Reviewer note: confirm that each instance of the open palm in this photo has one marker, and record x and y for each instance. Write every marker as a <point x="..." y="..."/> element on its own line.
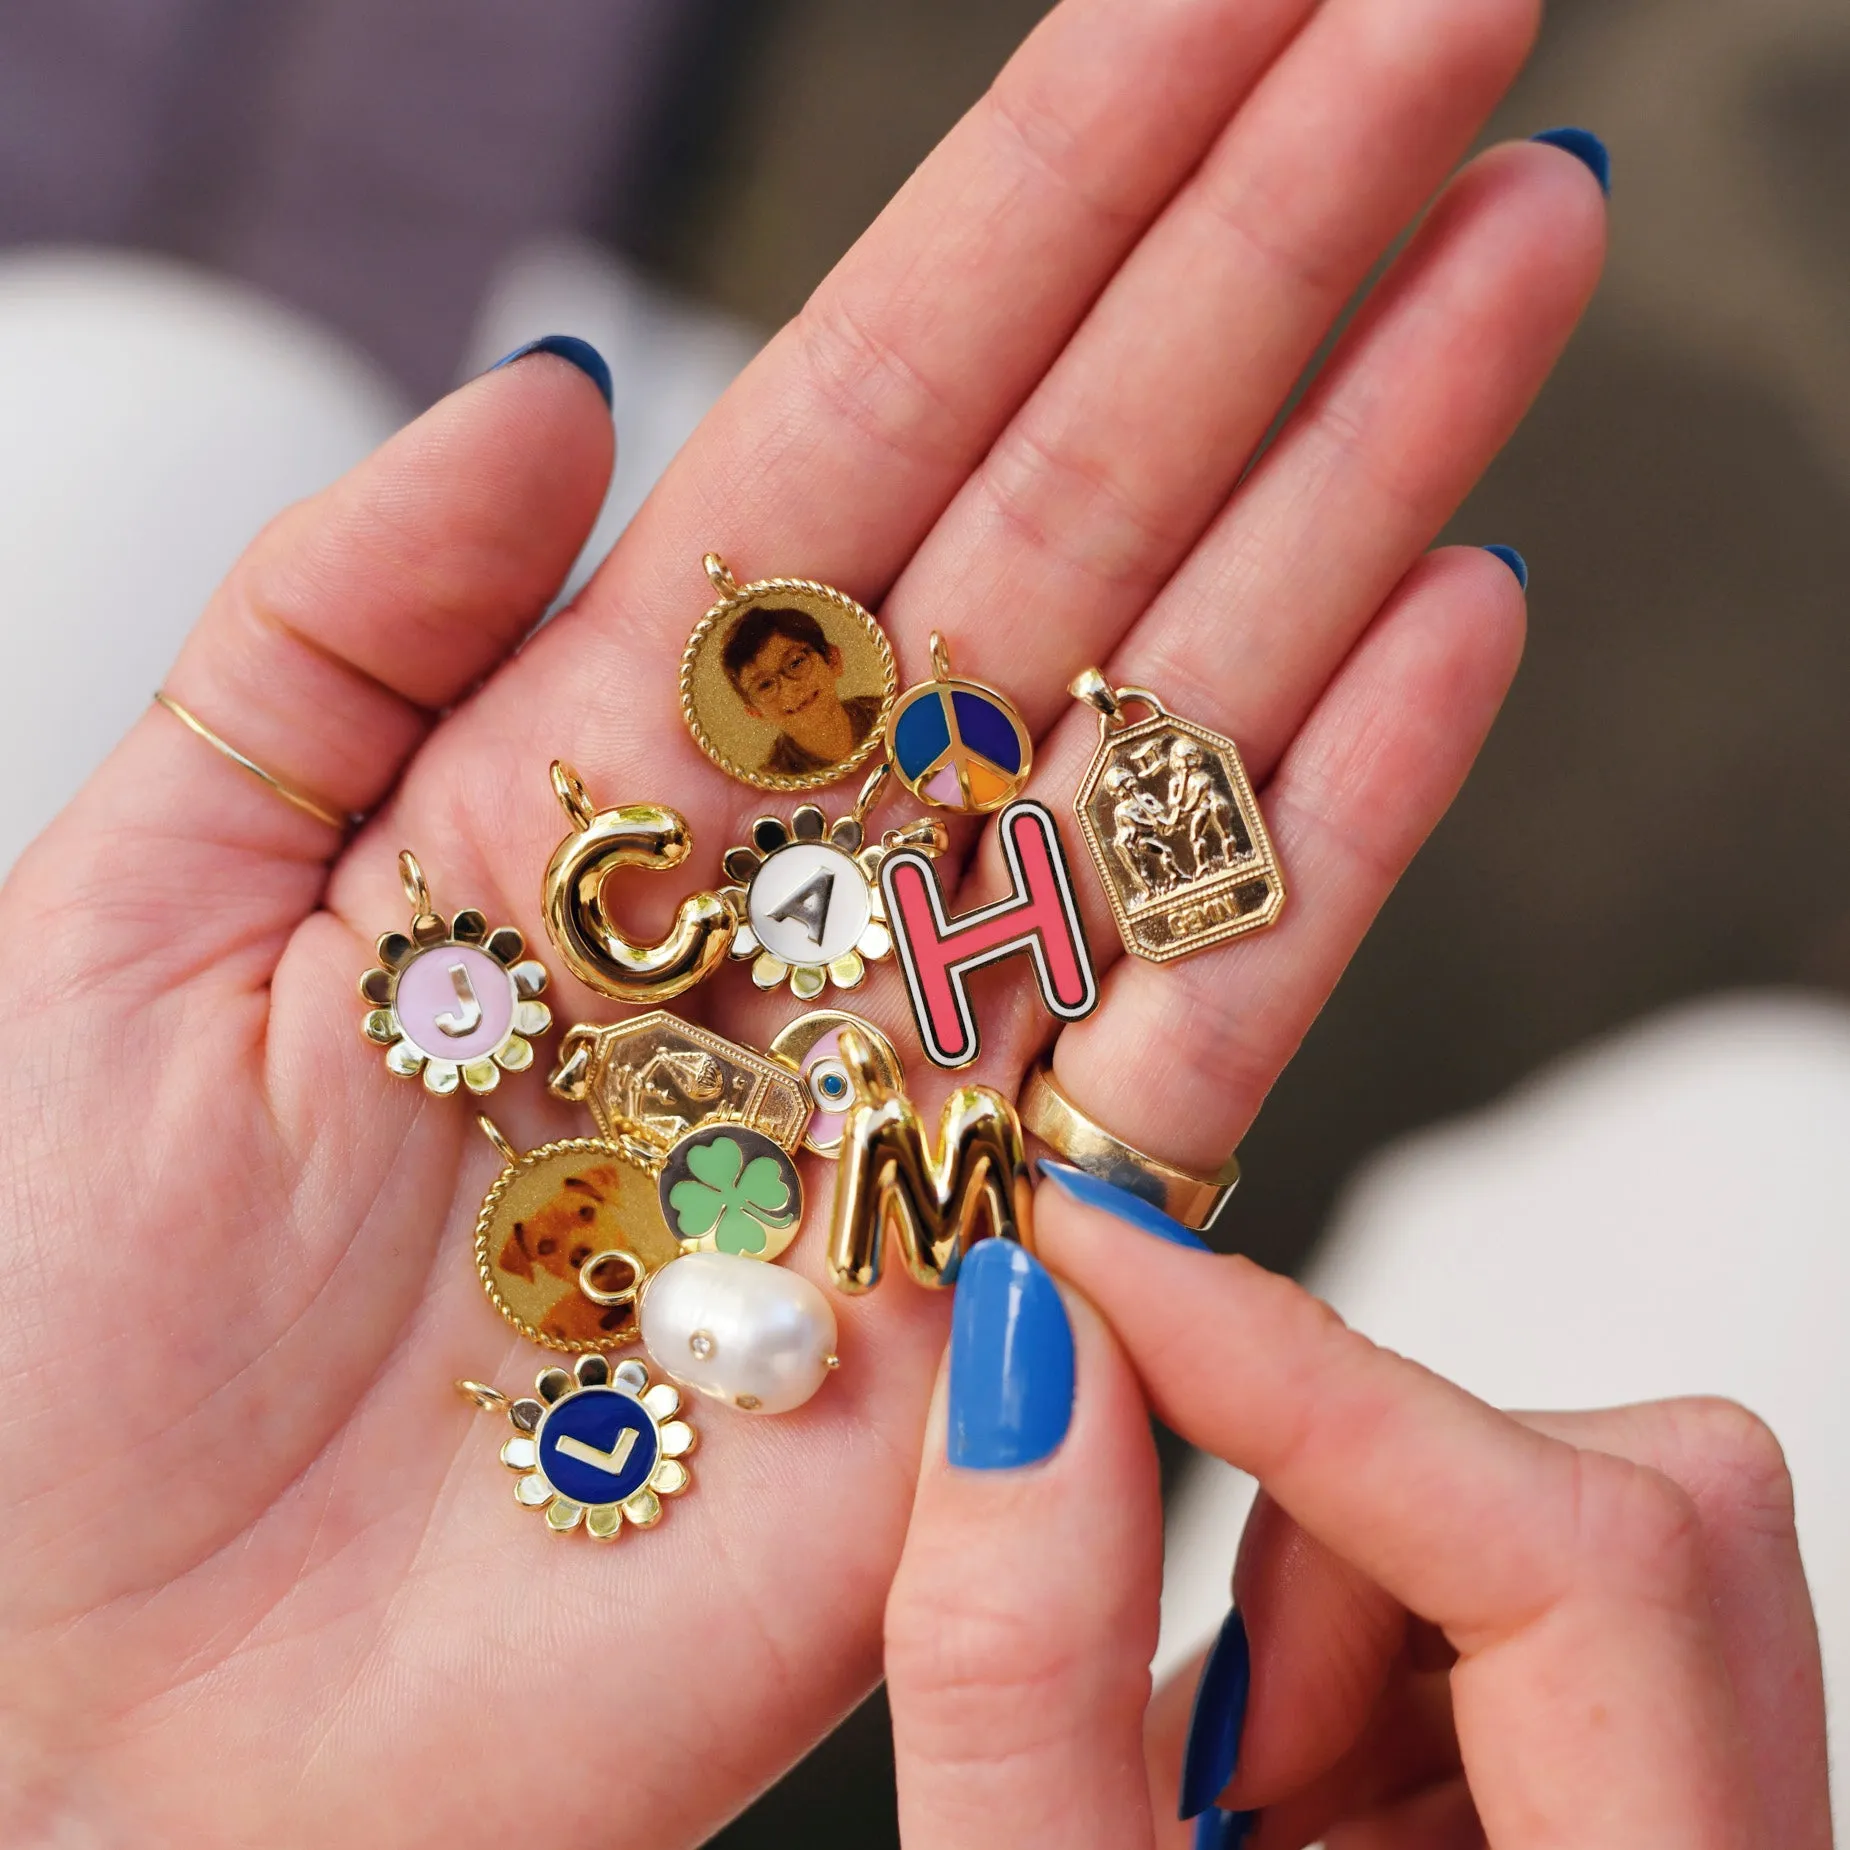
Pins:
<point x="263" y="1580"/>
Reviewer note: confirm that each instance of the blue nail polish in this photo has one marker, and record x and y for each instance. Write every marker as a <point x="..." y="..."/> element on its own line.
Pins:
<point x="1584" y="146"/>
<point x="567" y="347"/>
<point x="1213" y="1749"/>
<point x="1011" y="1360"/>
<point x="1514" y="560"/>
<point x="1096" y="1193"/>
<point x="1223" y="1830"/>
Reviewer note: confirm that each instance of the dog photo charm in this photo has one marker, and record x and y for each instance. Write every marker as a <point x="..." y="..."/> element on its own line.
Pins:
<point x="1174" y="828"/>
<point x="567" y="1237"/>
<point x="451" y="1000"/>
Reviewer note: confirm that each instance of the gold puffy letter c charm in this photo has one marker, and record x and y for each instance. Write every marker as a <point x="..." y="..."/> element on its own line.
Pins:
<point x="596" y="949"/>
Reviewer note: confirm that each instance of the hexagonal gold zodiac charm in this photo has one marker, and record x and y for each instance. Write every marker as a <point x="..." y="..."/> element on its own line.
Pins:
<point x="1174" y="828"/>
<point x="657" y="1077"/>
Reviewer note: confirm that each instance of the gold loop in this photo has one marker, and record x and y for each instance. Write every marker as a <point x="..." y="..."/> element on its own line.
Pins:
<point x="1090" y="686"/>
<point x="940" y="658"/>
<point x="411" y="878"/>
<point x="720" y="573"/>
<point x="930" y="836"/>
<point x="492" y="1131"/>
<point x="1184" y="1196"/>
<point x="871" y="792"/>
<point x="1108" y="702"/>
<point x="612" y="1255"/>
<point x="485" y="1398"/>
<point x="309" y="806"/>
<point x="865" y="1073"/>
<point x="573" y="797"/>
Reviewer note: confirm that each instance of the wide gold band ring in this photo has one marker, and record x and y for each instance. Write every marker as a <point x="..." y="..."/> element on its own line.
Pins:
<point x="310" y="806"/>
<point x="1192" y="1199"/>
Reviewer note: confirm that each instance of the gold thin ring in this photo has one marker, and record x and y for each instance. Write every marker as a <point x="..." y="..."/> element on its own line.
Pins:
<point x="481" y="1396"/>
<point x="606" y="1294"/>
<point x="308" y="805"/>
<point x="1184" y="1196"/>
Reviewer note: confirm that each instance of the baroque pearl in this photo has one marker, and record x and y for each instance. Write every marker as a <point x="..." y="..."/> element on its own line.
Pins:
<point x="739" y="1330"/>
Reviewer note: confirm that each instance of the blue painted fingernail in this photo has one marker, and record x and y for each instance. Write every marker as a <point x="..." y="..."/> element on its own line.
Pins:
<point x="1586" y="147"/>
<point x="1095" y="1193"/>
<point x="1223" y="1830"/>
<point x="1514" y="560"/>
<point x="1011" y="1360"/>
<point x="567" y="347"/>
<point x="1213" y="1749"/>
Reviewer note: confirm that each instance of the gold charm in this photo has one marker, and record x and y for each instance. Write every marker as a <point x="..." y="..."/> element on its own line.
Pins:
<point x="451" y="999"/>
<point x="934" y="1204"/>
<point x="1174" y="829"/>
<point x="785" y="684"/>
<point x="656" y="1077"/>
<point x="958" y="744"/>
<point x="807" y="895"/>
<point x="727" y="1189"/>
<point x="596" y="949"/>
<point x="566" y="1238"/>
<point x="812" y="1044"/>
<point x="599" y="1446"/>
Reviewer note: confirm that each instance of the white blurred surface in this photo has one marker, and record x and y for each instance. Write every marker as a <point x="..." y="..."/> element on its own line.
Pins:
<point x="154" y="419"/>
<point x="1666" y="1212"/>
<point x="669" y="360"/>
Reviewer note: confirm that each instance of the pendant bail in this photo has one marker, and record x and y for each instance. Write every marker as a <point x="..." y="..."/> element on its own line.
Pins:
<point x="1091" y="686"/>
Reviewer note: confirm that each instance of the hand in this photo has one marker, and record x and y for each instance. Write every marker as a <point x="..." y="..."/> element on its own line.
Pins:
<point x="1465" y="1627"/>
<point x="264" y="1580"/>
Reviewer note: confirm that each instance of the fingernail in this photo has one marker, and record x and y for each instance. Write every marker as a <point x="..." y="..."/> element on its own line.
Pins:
<point x="1514" y="560"/>
<point x="1011" y="1360"/>
<point x="1223" y="1830"/>
<point x="1214" y="1725"/>
<point x="1120" y="1202"/>
<point x="1584" y="146"/>
<point x="568" y="347"/>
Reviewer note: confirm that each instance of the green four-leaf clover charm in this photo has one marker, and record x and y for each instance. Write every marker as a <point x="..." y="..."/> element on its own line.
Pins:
<point x="730" y="1189"/>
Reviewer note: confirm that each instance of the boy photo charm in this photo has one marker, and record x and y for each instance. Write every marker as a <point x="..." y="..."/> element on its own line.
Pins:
<point x="786" y="684"/>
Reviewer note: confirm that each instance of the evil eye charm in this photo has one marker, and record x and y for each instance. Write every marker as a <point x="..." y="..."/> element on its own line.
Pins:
<point x="449" y="999"/>
<point x="812" y="1044"/>
<point x="599" y="1446"/>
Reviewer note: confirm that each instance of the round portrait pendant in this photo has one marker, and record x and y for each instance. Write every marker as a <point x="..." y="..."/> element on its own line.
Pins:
<point x="566" y="1238"/>
<point x="786" y="684"/>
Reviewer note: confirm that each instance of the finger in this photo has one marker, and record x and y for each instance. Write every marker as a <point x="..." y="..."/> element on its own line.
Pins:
<point x="1440" y="1818"/>
<point x="1023" y="1615"/>
<point x="1373" y="769"/>
<point x="1327" y="1642"/>
<point x="837" y="449"/>
<point x="1554" y="1572"/>
<point x="349" y="623"/>
<point x="1118" y="460"/>
<point x="1411" y="410"/>
<point x="1734" y="1471"/>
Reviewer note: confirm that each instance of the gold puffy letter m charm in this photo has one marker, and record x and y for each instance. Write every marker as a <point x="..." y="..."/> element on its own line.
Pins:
<point x="933" y="1204"/>
<point x="596" y="949"/>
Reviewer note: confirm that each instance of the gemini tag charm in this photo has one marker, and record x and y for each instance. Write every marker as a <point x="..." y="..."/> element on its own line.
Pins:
<point x="1174" y="829"/>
